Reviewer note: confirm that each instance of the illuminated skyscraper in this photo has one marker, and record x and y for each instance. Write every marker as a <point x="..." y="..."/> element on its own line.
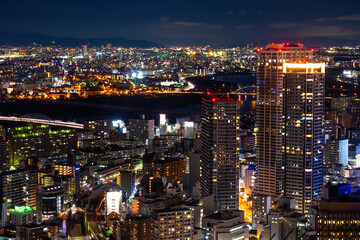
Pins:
<point x="269" y="117"/>
<point x="304" y="96"/>
<point x="220" y="118"/>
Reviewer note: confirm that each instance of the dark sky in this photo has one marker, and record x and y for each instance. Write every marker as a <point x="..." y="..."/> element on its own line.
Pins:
<point x="187" y="21"/>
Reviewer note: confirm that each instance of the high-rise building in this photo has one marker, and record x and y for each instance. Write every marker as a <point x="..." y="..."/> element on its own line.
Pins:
<point x="18" y="191"/>
<point x="162" y="123"/>
<point x="18" y="188"/>
<point x="141" y="129"/>
<point x="303" y="101"/>
<point x="191" y="178"/>
<point x="336" y="152"/>
<point x="189" y="130"/>
<point x="126" y="182"/>
<point x="220" y="154"/>
<point x="269" y="113"/>
<point x="269" y="117"/>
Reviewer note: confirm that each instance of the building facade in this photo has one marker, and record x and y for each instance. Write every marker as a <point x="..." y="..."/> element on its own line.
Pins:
<point x="303" y="100"/>
<point x="220" y="153"/>
<point x="269" y="113"/>
<point x="270" y="120"/>
<point x="141" y="129"/>
<point x="172" y="224"/>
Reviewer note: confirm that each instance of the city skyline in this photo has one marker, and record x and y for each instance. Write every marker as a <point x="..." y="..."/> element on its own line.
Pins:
<point x="134" y="140"/>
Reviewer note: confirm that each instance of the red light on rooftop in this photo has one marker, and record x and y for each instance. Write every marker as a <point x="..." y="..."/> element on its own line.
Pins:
<point x="298" y="44"/>
<point x="213" y="99"/>
<point x="279" y="50"/>
<point x="208" y="93"/>
<point x="272" y="43"/>
<point x="287" y="43"/>
<point x="283" y="43"/>
<point x="312" y="49"/>
<point x="258" y="50"/>
<point x="239" y="99"/>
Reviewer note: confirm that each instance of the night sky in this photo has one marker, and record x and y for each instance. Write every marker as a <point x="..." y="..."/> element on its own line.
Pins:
<point x="186" y="22"/>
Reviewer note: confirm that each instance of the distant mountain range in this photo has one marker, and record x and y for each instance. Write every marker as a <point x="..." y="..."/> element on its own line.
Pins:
<point x="29" y="39"/>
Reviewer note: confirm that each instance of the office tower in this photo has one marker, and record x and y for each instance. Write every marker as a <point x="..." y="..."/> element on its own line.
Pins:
<point x="336" y="152"/>
<point x="172" y="224"/>
<point x="142" y="130"/>
<point x="304" y="99"/>
<point x="269" y="116"/>
<point x="220" y="119"/>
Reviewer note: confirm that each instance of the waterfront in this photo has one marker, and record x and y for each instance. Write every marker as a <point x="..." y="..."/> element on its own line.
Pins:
<point x="125" y="107"/>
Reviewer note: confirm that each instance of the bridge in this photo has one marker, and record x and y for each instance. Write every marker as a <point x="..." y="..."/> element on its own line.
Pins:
<point x="246" y="90"/>
<point x="43" y="121"/>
